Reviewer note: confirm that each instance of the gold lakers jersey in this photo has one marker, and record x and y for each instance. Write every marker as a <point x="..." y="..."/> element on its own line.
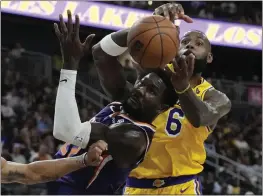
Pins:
<point x="177" y="147"/>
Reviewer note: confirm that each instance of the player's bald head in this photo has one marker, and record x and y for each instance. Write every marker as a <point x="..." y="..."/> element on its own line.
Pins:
<point x="200" y="35"/>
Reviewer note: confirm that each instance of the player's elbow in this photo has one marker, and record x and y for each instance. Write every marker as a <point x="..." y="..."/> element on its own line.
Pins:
<point x="62" y="132"/>
<point x="195" y="118"/>
<point x="57" y="134"/>
<point x="62" y="136"/>
<point x="196" y="122"/>
<point x="228" y="106"/>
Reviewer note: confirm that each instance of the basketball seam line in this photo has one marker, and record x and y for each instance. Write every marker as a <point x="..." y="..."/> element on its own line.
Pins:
<point x="147" y="47"/>
<point x="161" y="42"/>
<point x="170" y="38"/>
<point x="146" y="31"/>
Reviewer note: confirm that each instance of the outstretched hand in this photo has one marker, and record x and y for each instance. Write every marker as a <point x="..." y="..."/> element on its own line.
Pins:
<point x="172" y="11"/>
<point x="183" y="71"/>
<point x="72" y="50"/>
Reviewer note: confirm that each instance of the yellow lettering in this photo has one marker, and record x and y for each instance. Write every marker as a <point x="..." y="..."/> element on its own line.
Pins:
<point x="234" y="34"/>
<point x="131" y="19"/>
<point x="47" y="6"/>
<point x="92" y="14"/>
<point x="71" y="5"/>
<point x="5" y="4"/>
<point x="229" y="34"/>
<point x="110" y="17"/>
<point x="239" y="36"/>
<point x="37" y="7"/>
<point x="25" y="5"/>
<point x="254" y="37"/>
<point x="212" y="31"/>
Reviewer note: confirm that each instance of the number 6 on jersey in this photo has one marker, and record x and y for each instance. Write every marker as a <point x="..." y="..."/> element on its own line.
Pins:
<point x="174" y="125"/>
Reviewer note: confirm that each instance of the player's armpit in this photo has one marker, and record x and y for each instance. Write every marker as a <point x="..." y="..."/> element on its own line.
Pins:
<point x="127" y="144"/>
<point x="109" y="69"/>
<point x="204" y="113"/>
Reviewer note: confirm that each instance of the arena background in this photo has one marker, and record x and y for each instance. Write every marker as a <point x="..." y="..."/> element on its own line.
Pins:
<point x="30" y="70"/>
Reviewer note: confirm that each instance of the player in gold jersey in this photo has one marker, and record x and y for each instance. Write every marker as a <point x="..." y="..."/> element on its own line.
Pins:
<point x="177" y="151"/>
<point x="176" y="155"/>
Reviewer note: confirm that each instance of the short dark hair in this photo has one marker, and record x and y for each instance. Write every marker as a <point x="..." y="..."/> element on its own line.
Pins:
<point x="170" y="97"/>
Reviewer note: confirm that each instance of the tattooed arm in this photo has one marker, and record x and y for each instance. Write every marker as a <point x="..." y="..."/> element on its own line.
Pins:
<point x="205" y="113"/>
<point x="45" y="171"/>
<point x="39" y="171"/>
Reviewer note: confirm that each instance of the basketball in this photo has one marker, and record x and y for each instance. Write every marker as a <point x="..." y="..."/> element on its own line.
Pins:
<point x="153" y="41"/>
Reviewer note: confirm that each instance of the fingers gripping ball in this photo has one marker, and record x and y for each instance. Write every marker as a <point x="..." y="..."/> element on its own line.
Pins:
<point x="153" y="41"/>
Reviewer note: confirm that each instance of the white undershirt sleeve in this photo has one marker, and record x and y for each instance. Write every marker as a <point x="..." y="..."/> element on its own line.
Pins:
<point x="67" y="124"/>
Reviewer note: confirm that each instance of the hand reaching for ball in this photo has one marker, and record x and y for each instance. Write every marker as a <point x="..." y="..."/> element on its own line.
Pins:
<point x="183" y="71"/>
<point x="72" y="50"/>
<point x="172" y="11"/>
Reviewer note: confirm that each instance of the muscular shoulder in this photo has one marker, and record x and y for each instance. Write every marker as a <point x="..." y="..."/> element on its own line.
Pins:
<point x="127" y="133"/>
<point x="127" y="143"/>
<point x="218" y="100"/>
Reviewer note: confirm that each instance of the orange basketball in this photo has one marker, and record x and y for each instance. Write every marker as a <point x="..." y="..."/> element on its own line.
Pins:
<point x="153" y="41"/>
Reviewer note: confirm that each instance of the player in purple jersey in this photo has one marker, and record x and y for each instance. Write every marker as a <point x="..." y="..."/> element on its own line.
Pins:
<point x="124" y="126"/>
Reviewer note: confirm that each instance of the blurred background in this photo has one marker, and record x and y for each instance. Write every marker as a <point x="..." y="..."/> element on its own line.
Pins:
<point x="30" y="71"/>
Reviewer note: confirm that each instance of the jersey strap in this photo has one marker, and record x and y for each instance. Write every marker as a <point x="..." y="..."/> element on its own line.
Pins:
<point x="202" y="88"/>
<point x="106" y="113"/>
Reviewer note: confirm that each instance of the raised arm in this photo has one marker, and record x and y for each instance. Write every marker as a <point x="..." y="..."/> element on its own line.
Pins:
<point x="105" y="55"/>
<point x="45" y="171"/>
<point x="67" y="124"/>
<point x="107" y="51"/>
<point x="126" y="142"/>
<point x="199" y="112"/>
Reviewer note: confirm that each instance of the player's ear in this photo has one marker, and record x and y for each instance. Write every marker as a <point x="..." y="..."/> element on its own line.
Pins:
<point x="209" y="58"/>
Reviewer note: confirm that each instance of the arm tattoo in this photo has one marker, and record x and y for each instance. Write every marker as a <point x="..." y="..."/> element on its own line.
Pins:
<point x="204" y="113"/>
<point x="40" y="171"/>
<point x="14" y="175"/>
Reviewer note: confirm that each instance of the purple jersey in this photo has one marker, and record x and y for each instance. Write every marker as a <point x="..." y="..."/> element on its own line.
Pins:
<point x="105" y="178"/>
